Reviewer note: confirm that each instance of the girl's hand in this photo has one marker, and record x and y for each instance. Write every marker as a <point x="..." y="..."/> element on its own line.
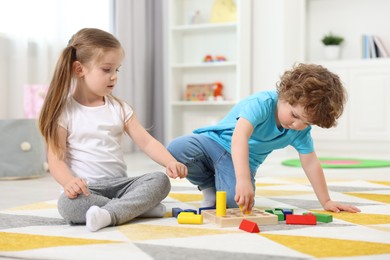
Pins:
<point x="176" y="169"/>
<point x="75" y="187"/>
<point x="337" y="207"/>
<point x="245" y="195"/>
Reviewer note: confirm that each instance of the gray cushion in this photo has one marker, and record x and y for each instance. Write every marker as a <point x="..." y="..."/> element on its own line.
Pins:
<point x="22" y="150"/>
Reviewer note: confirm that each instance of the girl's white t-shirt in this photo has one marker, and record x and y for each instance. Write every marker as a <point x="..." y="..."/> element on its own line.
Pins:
<point x="94" y="137"/>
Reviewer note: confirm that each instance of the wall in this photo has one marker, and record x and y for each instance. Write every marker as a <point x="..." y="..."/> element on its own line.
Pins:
<point x="278" y="40"/>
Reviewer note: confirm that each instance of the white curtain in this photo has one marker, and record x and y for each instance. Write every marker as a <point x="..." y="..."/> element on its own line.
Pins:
<point x="32" y="35"/>
<point x="138" y="25"/>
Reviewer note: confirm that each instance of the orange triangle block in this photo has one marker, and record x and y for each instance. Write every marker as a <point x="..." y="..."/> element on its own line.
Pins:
<point x="249" y="226"/>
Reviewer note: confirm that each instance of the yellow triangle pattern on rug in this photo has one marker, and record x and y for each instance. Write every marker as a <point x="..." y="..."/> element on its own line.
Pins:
<point x="138" y="232"/>
<point x="183" y="197"/>
<point x="328" y="247"/>
<point x="266" y="184"/>
<point x="359" y="218"/>
<point x="18" y="242"/>
<point x="385" y="198"/>
<point x="387" y="183"/>
<point x="41" y="205"/>
<point x="272" y="193"/>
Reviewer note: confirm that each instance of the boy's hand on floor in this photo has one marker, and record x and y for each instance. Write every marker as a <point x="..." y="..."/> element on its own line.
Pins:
<point x="337" y="207"/>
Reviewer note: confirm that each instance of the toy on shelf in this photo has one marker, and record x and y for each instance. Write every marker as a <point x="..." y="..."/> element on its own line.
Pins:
<point x="217" y="58"/>
<point x="204" y="92"/>
<point x="194" y="17"/>
<point x="220" y="58"/>
<point x="223" y="11"/>
<point x="208" y="58"/>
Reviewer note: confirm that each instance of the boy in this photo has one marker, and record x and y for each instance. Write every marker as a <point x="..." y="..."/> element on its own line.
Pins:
<point x="226" y="156"/>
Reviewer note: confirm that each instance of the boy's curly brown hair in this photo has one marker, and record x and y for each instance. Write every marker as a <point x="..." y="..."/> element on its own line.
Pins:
<point x="318" y="90"/>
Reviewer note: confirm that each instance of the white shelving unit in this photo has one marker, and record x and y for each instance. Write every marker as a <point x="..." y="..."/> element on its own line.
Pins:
<point x="188" y="44"/>
<point x="294" y="30"/>
<point x="365" y="124"/>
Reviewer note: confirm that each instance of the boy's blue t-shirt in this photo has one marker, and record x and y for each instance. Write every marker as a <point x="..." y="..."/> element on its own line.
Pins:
<point x="259" y="110"/>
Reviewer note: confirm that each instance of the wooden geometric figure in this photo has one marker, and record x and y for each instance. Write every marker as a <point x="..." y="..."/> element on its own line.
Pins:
<point x="278" y="213"/>
<point x="249" y="226"/>
<point x="325" y="218"/>
<point x="189" y="218"/>
<point x="221" y="203"/>
<point x="308" y="219"/>
<point x="234" y="217"/>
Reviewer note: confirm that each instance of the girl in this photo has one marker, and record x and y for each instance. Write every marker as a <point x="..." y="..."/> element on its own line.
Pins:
<point x="82" y="123"/>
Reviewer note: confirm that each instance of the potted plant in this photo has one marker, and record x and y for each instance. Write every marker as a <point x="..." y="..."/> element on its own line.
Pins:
<point x="332" y="46"/>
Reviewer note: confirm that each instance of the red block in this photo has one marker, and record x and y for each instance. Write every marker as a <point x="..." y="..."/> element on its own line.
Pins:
<point x="249" y="226"/>
<point x="308" y="219"/>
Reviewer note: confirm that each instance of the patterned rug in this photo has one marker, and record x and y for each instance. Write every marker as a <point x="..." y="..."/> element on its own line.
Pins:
<point x="37" y="231"/>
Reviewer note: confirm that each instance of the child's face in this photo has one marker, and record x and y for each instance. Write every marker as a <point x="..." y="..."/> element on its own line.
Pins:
<point x="290" y="117"/>
<point x="100" y="77"/>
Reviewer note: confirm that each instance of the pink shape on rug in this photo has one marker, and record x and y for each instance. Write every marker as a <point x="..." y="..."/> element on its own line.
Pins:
<point x="340" y="162"/>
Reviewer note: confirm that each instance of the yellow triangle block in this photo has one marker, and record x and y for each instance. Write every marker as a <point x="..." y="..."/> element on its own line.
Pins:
<point x="137" y="232"/>
<point x="385" y="198"/>
<point x="328" y="247"/>
<point x="18" y="242"/>
<point x="186" y="197"/>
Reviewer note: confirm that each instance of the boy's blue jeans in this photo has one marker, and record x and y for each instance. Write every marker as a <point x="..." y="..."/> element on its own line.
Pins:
<point x="209" y="164"/>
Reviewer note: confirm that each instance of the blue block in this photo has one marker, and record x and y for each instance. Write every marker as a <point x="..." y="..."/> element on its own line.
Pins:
<point x="176" y="211"/>
<point x="205" y="208"/>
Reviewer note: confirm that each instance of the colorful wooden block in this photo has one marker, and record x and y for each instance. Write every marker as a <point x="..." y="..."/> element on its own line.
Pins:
<point x="285" y="211"/>
<point x="190" y="210"/>
<point x="249" y="226"/>
<point x="189" y="218"/>
<point x="205" y="208"/>
<point x="176" y="211"/>
<point x="278" y="213"/>
<point x="221" y="203"/>
<point x="325" y="218"/>
<point x="307" y="219"/>
<point x="234" y="217"/>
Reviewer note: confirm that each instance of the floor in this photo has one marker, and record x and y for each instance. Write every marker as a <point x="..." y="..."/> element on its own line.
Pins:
<point x="23" y="192"/>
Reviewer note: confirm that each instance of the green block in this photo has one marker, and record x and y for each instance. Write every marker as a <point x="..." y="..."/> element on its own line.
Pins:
<point x="325" y="218"/>
<point x="278" y="213"/>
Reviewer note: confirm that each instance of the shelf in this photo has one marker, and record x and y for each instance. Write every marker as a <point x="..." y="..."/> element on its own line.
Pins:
<point x="204" y="27"/>
<point x="204" y="103"/>
<point x="188" y="45"/>
<point x="353" y="62"/>
<point x="204" y="65"/>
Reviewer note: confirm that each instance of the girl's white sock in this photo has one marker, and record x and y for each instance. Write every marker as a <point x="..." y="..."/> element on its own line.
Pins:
<point x="209" y="197"/>
<point x="156" y="212"/>
<point x="97" y="218"/>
